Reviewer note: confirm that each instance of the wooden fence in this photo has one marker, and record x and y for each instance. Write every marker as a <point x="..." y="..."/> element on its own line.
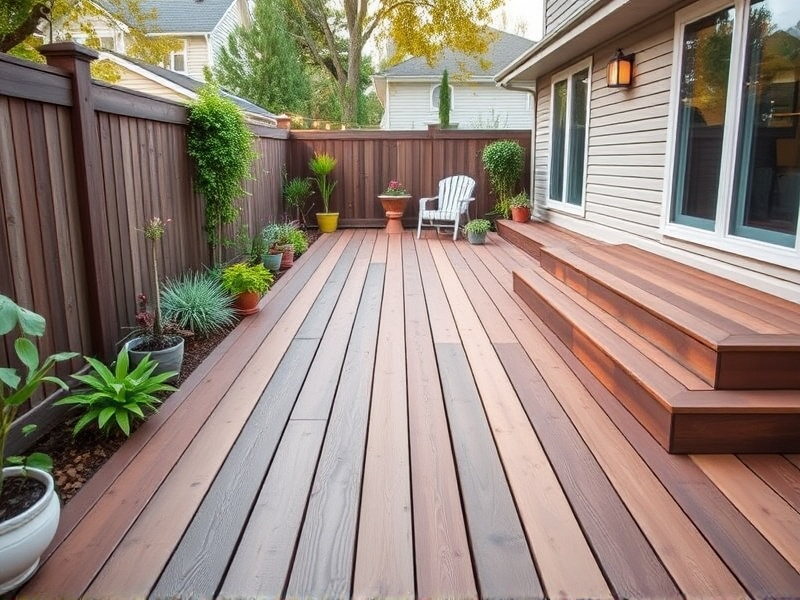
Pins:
<point x="83" y="165"/>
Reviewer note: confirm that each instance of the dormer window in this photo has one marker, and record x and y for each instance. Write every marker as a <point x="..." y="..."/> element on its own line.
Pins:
<point x="177" y="60"/>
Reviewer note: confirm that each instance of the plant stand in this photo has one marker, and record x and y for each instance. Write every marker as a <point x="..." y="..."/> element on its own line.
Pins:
<point x="394" y="207"/>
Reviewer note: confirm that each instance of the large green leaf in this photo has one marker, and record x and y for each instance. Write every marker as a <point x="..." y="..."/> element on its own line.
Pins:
<point x="9" y="377"/>
<point x="28" y="354"/>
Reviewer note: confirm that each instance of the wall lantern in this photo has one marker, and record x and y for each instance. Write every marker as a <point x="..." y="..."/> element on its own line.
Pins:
<point x="620" y="70"/>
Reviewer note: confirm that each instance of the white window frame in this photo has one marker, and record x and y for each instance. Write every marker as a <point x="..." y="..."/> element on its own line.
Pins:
<point x="185" y="59"/>
<point x="720" y="238"/>
<point x="566" y="74"/>
<point x="435" y="94"/>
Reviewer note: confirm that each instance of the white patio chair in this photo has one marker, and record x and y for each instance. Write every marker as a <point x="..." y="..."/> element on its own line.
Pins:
<point x="455" y="195"/>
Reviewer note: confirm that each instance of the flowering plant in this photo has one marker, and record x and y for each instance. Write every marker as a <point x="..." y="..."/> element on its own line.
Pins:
<point x="395" y="189"/>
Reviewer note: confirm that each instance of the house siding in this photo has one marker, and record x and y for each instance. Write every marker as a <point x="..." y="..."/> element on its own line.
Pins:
<point x="475" y="106"/>
<point x="219" y="37"/>
<point x="558" y="11"/>
<point x="196" y="56"/>
<point x="137" y="82"/>
<point x="626" y="163"/>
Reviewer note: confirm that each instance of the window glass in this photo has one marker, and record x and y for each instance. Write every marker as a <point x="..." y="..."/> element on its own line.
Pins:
<point x="701" y="118"/>
<point x="577" y="136"/>
<point x="178" y="61"/>
<point x="558" y="136"/>
<point x="767" y="190"/>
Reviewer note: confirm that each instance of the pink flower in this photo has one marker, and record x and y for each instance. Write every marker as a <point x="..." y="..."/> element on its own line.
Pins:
<point x="395" y="189"/>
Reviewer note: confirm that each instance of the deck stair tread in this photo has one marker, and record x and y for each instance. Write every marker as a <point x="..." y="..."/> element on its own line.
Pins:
<point x="728" y="384"/>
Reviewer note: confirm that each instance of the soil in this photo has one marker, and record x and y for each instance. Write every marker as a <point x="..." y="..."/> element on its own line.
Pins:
<point x="18" y="495"/>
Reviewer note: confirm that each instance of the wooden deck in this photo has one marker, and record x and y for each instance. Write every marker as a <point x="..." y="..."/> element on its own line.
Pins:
<point x="397" y="422"/>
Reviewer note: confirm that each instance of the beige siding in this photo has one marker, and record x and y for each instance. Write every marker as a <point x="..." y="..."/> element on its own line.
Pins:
<point x="226" y="26"/>
<point x="475" y="106"/>
<point x="139" y="83"/>
<point x="558" y="11"/>
<point x="196" y="56"/>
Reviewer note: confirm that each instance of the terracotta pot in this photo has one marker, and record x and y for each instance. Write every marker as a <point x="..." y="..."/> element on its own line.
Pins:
<point x="246" y="303"/>
<point x="394" y="207"/>
<point x="520" y="214"/>
<point x="287" y="258"/>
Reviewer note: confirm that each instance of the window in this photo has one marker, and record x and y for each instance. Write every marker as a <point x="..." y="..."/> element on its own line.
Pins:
<point x="107" y="43"/>
<point x="736" y="136"/>
<point x="177" y="60"/>
<point x="569" y="115"/>
<point x="435" y="97"/>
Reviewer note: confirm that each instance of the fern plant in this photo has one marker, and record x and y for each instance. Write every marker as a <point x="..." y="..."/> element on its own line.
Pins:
<point x="197" y="302"/>
<point x="116" y="399"/>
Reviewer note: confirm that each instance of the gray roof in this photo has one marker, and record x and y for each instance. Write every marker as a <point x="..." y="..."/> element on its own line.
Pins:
<point x="184" y="16"/>
<point x="193" y="85"/>
<point x="505" y="48"/>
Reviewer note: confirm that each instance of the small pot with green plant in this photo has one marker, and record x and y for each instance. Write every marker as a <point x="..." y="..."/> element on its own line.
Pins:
<point x="476" y="230"/>
<point x="504" y="161"/>
<point x="247" y="284"/>
<point x="29" y="505"/>
<point x="161" y="340"/>
<point x="296" y="192"/>
<point x="520" y="206"/>
<point x="322" y="165"/>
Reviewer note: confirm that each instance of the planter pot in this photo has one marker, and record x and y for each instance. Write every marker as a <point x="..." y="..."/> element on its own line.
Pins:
<point x="328" y="222"/>
<point x="24" y="537"/>
<point x="273" y="261"/>
<point x="169" y="359"/>
<point x="246" y="303"/>
<point x="476" y="238"/>
<point x="520" y="214"/>
<point x="394" y="207"/>
<point x="287" y="258"/>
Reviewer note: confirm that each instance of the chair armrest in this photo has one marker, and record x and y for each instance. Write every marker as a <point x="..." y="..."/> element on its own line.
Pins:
<point x="424" y="201"/>
<point x="465" y="204"/>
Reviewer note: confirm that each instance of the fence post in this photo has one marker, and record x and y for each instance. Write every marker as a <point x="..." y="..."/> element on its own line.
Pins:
<point x="76" y="60"/>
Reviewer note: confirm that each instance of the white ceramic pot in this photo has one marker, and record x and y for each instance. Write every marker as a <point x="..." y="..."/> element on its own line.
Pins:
<point x="26" y="536"/>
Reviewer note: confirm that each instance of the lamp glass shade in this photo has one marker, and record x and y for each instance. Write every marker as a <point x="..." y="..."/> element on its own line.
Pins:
<point x="620" y="71"/>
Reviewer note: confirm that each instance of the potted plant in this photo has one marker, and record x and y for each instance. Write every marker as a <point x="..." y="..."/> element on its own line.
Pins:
<point x="29" y="506"/>
<point x="394" y="200"/>
<point x="296" y="192"/>
<point x="164" y="343"/>
<point x="246" y="283"/>
<point x="520" y="206"/>
<point x="476" y="230"/>
<point x="322" y="165"/>
<point x="504" y="161"/>
<point x="274" y="254"/>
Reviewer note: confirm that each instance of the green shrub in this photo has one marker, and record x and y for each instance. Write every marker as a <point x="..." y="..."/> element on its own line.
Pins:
<point x="241" y="277"/>
<point x="197" y="302"/>
<point x="283" y="234"/>
<point x="503" y="161"/>
<point x="520" y="200"/>
<point x="477" y="226"/>
<point x="116" y="399"/>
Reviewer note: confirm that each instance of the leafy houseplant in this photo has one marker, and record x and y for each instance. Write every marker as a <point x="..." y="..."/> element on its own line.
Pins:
<point x="115" y="399"/>
<point x="166" y="346"/>
<point x="247" y="283"/>
<point x="25" y="533"/>
<point x="322" y="165"/>
<point x="504" y="161"/>
<point x="476" y="230"/>
<point x="296" y="193"/>
<point x="520" y="206"/>
<point x="220" y="145"/>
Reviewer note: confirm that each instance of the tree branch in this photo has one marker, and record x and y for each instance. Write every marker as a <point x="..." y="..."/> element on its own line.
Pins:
<point x="39" y="11"/>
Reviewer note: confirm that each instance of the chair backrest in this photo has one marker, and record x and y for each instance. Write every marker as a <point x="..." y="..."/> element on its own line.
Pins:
<point x="454" y="189"/>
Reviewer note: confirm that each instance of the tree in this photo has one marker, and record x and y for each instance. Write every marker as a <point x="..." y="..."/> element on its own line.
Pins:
<point x="444" y="101"/>
<point x="334" y="33"/>
<point x="20" y="19"/>
<point x="262" y="63"/>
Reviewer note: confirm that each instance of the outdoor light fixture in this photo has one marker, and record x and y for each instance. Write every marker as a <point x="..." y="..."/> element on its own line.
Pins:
<point x="620" y="70"/>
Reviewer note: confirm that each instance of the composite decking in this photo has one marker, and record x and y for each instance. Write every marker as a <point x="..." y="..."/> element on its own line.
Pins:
<point x="397" y="422"/>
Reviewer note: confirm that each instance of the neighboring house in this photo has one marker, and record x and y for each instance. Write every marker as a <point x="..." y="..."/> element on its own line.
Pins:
<point x="409" y="91"/>
<point x="203" y="27"/>
<point x="699" y="159"/>
<point x="164" y="83"/>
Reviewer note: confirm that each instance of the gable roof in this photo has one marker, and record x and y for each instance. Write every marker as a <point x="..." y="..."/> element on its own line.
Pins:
<point x="188" y="84"/>
<point x="183" y="16"/>
<point x="504" y="49"/>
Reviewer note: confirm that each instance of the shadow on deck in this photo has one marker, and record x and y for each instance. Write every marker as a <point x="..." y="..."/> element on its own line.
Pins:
<point x="398" y="422"/>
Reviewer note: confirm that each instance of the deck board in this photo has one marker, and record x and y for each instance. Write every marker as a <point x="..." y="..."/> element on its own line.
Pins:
<point x="397" y="422"/>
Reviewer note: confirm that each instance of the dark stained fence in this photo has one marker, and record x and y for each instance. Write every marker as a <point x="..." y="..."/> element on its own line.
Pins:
<point x="368" y="160"/>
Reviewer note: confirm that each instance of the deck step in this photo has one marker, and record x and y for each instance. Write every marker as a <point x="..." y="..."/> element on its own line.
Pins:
<point x="682" y="420"/>
<point x="730" y="348"/>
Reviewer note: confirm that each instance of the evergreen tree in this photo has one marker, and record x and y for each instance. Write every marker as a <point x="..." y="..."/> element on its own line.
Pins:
<point x="262" y="63"/>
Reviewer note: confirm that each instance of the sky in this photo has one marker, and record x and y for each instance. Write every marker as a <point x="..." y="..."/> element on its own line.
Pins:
<point x="528" y="12"/>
